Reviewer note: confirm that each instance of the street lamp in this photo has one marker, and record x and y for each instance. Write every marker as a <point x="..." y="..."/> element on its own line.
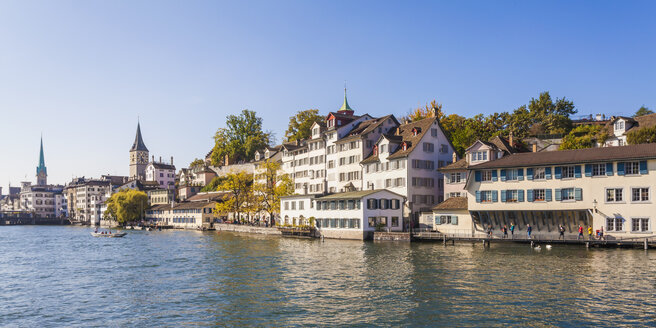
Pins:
<point x="594" y="205"/>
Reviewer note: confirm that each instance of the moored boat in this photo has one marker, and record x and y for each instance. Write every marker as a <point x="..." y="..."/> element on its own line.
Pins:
<point x="108" y="234"/>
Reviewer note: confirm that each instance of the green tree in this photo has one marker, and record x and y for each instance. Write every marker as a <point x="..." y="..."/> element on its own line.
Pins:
<point x="241" y="137"/>
<point x="642" y="135"/>
<point x="300" y="124"/>
<point x="584" y="136"/>
<point x="240" y="184"/>
<point x="428" y="110"/>
<point x="126" y="206"/>
<point x="271" y="187"/>
<point x="553" y="116"/>
<point x="214" y="184"/>
<point x="197" y="163"/>
<point x="520" y="122"/>
<point x="643" y="111"/>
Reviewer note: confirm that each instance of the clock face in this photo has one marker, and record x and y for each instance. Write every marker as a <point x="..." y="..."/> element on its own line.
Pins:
<point x="143" y="158"/>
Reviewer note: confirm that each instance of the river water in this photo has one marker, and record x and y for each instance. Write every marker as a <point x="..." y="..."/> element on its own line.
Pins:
<point x="62" y="276"/>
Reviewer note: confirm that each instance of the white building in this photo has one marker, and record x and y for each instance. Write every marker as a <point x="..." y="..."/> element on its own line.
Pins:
<point x="86" y="199"/>
<point x="45" y="201"/>
<point x="161" y="172"/>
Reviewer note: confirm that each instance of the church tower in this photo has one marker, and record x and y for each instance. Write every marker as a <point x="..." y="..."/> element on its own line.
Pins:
<point x="138" y="157"/>
<point x="41" y="171"/>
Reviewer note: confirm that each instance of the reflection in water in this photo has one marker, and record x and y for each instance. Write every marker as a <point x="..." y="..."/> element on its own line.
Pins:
<point x="62" y="276"/>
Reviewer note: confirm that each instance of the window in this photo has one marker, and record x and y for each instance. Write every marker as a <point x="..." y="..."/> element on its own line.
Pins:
<point x="619" y="125"/>
<point x="293" y="205"/>
<point x="486" y="175"/>
<point x="598" y="170"/>
<point x="639" y="224"/>
<point x="434" y="132"/>
<point x="511" y="175"/>
<point x="568" y="172"/>
<point x="614" y="195"/>
<point x="539" y="173"/>
<point x="640" y="194"/>
<point x="300" y="205"/>
<point x="372" y="222"/>
<point x="567" y="194"/>
<point x="512" y="196"/>
<point x="479" y="156"/>
<point x="455" y="177"/>
<point x="486" y="196"/>
<point x="539" y="195"/>
<point x="631" y="168"/>
<point x="286" y="206"/>
<point x="429" y="147"/>
<point x="395" y="221"/>
<point x="614" y="224"/>
<point x="444" y="148"/>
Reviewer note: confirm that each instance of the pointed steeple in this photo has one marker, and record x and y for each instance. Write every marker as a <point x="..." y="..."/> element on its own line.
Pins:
<point x="41" y="170"/>
<point x="138" y="141"/>
<point x="345" y="106"/>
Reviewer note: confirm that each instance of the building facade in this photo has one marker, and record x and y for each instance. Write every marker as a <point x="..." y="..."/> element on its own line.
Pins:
<point x="162" y="173"/>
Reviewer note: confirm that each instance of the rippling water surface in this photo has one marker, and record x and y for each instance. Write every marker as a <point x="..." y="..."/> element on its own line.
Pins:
<point x="61" y="276"/>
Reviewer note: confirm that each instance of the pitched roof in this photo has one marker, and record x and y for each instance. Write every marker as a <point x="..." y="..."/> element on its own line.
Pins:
<point x="354" y="194"/>
<point x="453" y="203"/>
<point x="163" y="166"/>
<point x="460" y="164"/>
<point x="138" y="141"/>
<point x="205" y="196"/>
<point x="407" y="135"/>
<point x="589" y="155"/>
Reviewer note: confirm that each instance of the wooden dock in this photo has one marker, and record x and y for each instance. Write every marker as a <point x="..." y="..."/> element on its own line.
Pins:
<point x="646" y="242"/>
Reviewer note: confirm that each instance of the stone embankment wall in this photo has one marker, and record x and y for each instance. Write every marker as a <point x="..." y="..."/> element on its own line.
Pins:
<point x="246" y="229"/>
<point x="392" y="236"/>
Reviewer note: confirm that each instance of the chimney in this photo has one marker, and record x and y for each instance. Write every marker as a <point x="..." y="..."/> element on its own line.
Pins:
<point x="510" y="139"/>
<point x="398" y="131"/>
<point x="171" y="160"/>
<point x="535" y="147"/>
<point x="455" y="157"/>
<point x="160" y="159"/>
<point x="153" y="158"/>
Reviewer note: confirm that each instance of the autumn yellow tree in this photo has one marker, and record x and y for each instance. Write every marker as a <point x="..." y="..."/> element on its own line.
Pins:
<point x="270" y="187"/>
<point x="240" y="185"/>
<point x="126" y="206"/>
<point x="428" y="110"/>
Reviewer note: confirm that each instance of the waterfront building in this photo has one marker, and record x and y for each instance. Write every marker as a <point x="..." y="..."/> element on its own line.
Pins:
<point x="42" y="199"/>
<point x="138" y="157"/>
<point x="608" y="188"/>
<point x="347" y="215"/>
<point x="191" y="181"/>
<point x="619" y="126"/>
<point x="11" y="201"/>
<point x="86" y="199"/>
<point x="160" y="196"/>
<point x="162" y="173"/>
<point x="195" y="213"/>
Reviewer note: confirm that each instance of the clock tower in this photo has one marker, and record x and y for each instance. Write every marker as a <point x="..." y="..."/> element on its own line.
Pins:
<point x="138" y="157"/>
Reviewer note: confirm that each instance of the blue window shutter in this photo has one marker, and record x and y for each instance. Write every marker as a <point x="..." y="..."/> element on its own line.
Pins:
<point x="477" y="176"/>
<point x="578" y="194"/>
<point x="520" y="174"/>
<point x="547" y="195"/>
<point x="520" y="195"/>
<point x="478" y="196"/>
<point x="588" y="170"/>
<point x="643" y="167"/>
<point x="558" y="196"/>
<point x="558" y="172"/>
<point x="503" y="195"/>
<point x="577" y="171"/>
<point x="454" y="220"/>
<point x="609" y="169"/>
<point x="620" y="168"/>
<point x="547" y="172"/>
<point x="495" y="196"/>
<point x="529" y="195"/>
<point x="529" y="173"/>
<point x="494" y="175"/>
<point x="503" y="175"/>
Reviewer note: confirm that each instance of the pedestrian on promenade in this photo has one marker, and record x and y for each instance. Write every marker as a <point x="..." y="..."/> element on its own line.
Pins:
<point x="505" y="231"/>
<point x="561" y="231"/>
<point x="580" y="236"/>
<point x="529" y="229"/>
<point x="489" y="231"/>
<point x="512" y="230"/>
<point x="601" y="233"/>
<point x="589" y="232"/>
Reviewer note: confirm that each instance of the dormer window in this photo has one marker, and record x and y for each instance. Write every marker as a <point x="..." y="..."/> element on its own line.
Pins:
<point x="619" y="125"/>
<point x="331" y="123"/>
<point x="405" y="146"/>
<point x="257" y="156"/>
<point x="416" y="131"/>
<point x="479" y="156"/>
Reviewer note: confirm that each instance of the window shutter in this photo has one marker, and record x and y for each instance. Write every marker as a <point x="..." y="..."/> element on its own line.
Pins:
<point x="478" y="196"/>
<point x="620" y="168"/>
<point x="503" y="195"/>
<point x="588" y="170"/>
<point x="547" y="195"/>
<point x="438" y="220"/>
<point x="558" y="196"/>
<point x="520" y="195"/>
<point x="503" y="175"/>
<point x="643" y="167"/>
<point x="520" y="174"/>
<point x="577" y="171"/>
<point x="609" y="169"/>
<point x="454" y="220"/>
<point x="578" y="194"/>
<point x="495" y="196"/>
<point x="477" y="176"/>
<point x="369" y="204"/>
<point x="397" y="204"/>
<point x="558" y="172"/>
<point x="529" y="195"/>
<point x="529" y="173"/>
<point x="547" y="172"/>
<point x="494" y="175"/>
<point x="378" y="204"/>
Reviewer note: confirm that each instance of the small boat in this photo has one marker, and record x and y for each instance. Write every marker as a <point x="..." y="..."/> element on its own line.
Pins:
<point x="548" y="246"/>
<point x="537" y="248"/>
<point x="149" y="229"/>
<point x="110" y="235"/>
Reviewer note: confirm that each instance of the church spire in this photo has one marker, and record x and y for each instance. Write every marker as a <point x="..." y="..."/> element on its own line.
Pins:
<point x="41" y="171"/>
<point x="138" y="141"/>
<point x="345" y="106"/>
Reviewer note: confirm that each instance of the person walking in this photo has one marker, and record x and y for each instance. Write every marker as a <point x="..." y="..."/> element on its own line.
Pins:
<point x="489" y="231"/>
<point x="505" y="232"/>
<point x="512" y="230"/>
<point x="580" y="236"/>
<point x="561" y="231"/>
<point x="601" y="233"/>
<point x="529" y="229"/>
<point x="589" y="232"/>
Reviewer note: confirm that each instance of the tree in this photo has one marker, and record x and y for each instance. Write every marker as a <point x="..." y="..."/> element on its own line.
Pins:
<point x="642" y="135"/>
<point x="300" y="124"/>
<point x="554" y="116"/>
<point x="643" y="111"/>
<point x="428" y="110"/>
<point x="584" y="136"/>
<point x="273" y="186"/>
<point x="240" y="185"/>
<point x="197" y="163"/>
<point x="241" y="137"/>
<point x="214" y="184"/>
<point x="126" y="206"/>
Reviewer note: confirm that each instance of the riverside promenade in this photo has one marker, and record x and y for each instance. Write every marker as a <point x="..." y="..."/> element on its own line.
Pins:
<point x="247" y="229"/>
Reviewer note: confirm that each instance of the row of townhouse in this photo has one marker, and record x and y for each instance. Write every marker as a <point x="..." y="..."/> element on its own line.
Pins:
<point x="347" y="153"/>
<point x="197" y="212"/>
<point x="608" y="189"/>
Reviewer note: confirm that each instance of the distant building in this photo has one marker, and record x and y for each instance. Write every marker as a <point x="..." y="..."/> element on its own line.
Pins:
<point x="619" y="127"/>
<point x="45" y="201"/>
<point x="162" y="173"/>
<point x="85" y="198"/>
<point x="161" y="196"/>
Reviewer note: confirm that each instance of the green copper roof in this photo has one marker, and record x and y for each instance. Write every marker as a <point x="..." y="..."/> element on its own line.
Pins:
<point x="345" y="105"/>
<point x="42" y="161"/>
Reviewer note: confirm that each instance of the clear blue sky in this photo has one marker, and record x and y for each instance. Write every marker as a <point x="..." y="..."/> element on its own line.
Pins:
<point x="80" y="72"/>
